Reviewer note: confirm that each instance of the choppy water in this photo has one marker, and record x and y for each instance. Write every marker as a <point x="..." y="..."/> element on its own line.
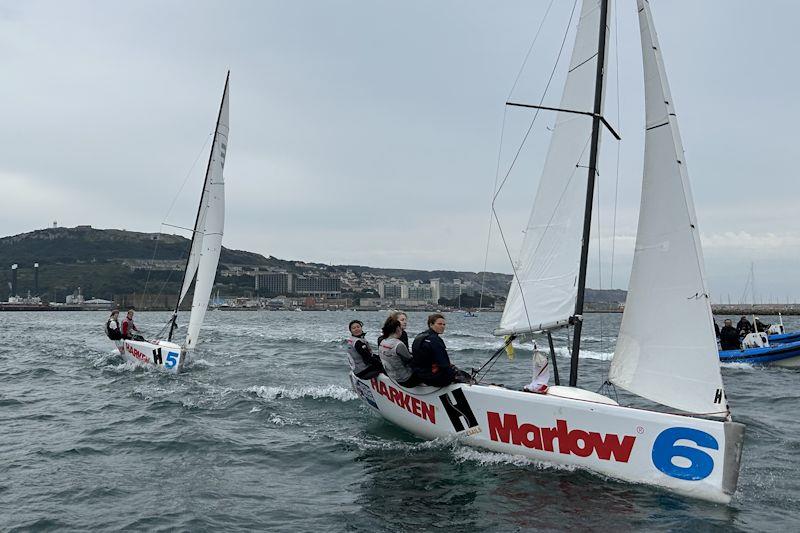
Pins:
<point x="263" y="433"/>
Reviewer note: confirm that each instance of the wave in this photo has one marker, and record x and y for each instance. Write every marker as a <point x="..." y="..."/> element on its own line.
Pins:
<point x="336" y="392"/>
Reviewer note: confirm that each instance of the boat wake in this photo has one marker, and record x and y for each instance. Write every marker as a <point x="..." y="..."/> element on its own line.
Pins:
<point x="335" y="392"/>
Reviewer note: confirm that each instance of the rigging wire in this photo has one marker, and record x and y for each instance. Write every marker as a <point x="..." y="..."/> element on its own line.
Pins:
<point x="169" y="210"/>
<point x="516" y="156"/>
<point x="616" y="183"/>
<point x="500" y="148"/>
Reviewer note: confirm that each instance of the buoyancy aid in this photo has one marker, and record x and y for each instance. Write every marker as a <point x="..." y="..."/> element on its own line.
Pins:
<point x="112" y="330"/>
<point x="357" y="363"/>
<point x="395" y="367"/>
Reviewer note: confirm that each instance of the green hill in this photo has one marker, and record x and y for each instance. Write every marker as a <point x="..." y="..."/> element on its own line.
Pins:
<point x="145" y="269"/>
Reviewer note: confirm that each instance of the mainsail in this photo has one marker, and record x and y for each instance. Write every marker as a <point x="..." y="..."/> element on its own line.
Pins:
<point x="207" y="238"/>
<point x="666" y="350"/>
<point x="544" y="288"/>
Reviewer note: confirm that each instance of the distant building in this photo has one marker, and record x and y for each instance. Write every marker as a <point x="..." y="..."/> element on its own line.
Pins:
<point x="273" y="283"/>
<point x="317" y="286"/>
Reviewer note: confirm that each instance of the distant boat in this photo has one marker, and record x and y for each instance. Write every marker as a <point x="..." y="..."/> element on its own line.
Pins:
<point x="201" y="265"/>
<point x="786" y="355"/>
<point x="695" y="452"/>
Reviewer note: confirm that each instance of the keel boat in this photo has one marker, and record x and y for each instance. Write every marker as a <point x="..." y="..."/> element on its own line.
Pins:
<point x="201" y="264"/>
<point x="694" y="449"/>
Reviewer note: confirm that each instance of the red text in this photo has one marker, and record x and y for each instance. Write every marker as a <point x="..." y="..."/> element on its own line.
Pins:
<point x="411" y="404"/>
<point x="570" y="441"/>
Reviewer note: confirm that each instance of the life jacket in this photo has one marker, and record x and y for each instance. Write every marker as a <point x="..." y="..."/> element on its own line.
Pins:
<point x="128" y="327"/>
<point x="113" y="333"/>
<point x="395" y="367"/>
<point x="357" y="363"/>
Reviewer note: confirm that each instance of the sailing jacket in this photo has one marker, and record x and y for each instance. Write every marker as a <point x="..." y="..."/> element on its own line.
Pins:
<point x="729" y="338"/>
<point x="430" y="361"/>
<point x="363" y="362"/>
<point x="396" y="359"/>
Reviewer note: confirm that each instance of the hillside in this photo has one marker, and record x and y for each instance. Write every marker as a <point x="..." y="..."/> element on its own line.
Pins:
<point x="123" y="265"/>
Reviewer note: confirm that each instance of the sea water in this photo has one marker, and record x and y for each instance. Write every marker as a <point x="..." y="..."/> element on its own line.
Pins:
<point x="262" y="432"/>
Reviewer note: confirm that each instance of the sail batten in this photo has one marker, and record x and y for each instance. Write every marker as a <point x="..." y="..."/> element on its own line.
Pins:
<point x="677" y="366"/>
<point x="544" y="288"/>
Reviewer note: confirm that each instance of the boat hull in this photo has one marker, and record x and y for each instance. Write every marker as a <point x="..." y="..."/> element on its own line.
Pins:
<point x="783" y="355"/>
<point x="691" y="456"/>
<point x="785" y="338"/>
<point x="164" y="354"/>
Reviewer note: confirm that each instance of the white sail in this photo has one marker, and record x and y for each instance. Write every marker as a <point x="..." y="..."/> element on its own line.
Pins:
<point x="544" y="287"/>
<point x="210" y="225"/>
<point x="666" y="350"/>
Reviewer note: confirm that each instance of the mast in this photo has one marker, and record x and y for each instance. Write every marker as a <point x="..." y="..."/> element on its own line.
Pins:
<point x="173" y="324"/>
<point x="587" y="219"/>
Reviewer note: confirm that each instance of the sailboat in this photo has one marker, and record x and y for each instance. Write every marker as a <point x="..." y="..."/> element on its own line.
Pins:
<point x="694" y="452"/>
<point x="201" y="264"/>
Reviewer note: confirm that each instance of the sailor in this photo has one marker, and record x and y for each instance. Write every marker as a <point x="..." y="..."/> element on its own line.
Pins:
<point x="729" y="336"/>
<point x="744" y="327"/>
<point x="394" y="354"/>
<point x="112" y="326"/>
<point x="403" y="318"/>
<point x="431" y="361"/>
<point x="363" y="362"/>
<point x="760" y="326"/>
<point x="128" y="327"/>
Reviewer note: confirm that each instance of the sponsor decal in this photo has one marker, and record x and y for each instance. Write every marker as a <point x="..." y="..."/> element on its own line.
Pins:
<point x="363" y="391"/>
<point x="136" y="353"/>
<point x="570" y="441"/>
<point x="460" y="412"/>
<point x="172" y="359"/>
<point x="415" y="406"/>
<point x="700" y="464"/>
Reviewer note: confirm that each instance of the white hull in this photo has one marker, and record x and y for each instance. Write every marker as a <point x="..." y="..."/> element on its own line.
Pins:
<point x="165" y="354"/>
<point x="691" y="456"/>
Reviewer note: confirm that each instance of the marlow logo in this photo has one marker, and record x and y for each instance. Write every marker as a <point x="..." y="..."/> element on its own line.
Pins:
<point x="570" y="441"/>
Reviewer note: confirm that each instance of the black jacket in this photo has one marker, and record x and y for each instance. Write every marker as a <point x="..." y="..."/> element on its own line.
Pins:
<point x="743" y="327"/>
<point x="729" y="338"/>
<point x="431" y="362"/>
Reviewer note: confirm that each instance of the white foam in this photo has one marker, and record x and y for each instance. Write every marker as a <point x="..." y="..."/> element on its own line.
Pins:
<point x="335" y="392"/>
<point x="466" y="454"/>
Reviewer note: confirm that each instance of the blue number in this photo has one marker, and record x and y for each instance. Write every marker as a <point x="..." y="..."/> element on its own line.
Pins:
<point x="172" y="359"/>
<point x="664" y="449"/>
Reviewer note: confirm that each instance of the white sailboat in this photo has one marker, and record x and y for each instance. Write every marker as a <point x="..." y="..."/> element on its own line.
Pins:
<point x="201" y="264"/>
<point x="695" y="452"/>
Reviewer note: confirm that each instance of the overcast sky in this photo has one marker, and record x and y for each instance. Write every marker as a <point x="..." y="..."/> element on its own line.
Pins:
<point x="368" y="132"/>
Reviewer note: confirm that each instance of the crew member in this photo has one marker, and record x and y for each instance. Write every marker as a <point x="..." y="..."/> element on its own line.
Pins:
<point x="729" y="336"/>
<point x="403" y="319"/>
<point x="744" y="327"/>
<point x="363" y="362"/>
<point x="431" y="362"/>
<point x="395" y="356"/>
<point x="128" y="327"/>
<point x="112" y="326"/>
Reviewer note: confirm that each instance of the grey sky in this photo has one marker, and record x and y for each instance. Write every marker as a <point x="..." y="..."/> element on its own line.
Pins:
<point x="368" y="132"/>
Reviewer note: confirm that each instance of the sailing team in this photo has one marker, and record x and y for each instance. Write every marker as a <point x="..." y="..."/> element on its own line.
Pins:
<point x="426" y="362"/>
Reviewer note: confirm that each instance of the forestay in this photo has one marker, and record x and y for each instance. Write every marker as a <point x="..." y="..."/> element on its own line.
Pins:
<point x="207" y="242"/>
<point x="666" y="350"/>
<point x="544" y="287"/>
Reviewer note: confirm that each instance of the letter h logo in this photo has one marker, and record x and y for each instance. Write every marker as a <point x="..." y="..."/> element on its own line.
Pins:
<point x="458" y="411"/>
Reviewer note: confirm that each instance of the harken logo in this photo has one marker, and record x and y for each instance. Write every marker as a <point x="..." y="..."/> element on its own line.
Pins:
<point x="458" y="410"/>
<point x="570" y="441"/>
